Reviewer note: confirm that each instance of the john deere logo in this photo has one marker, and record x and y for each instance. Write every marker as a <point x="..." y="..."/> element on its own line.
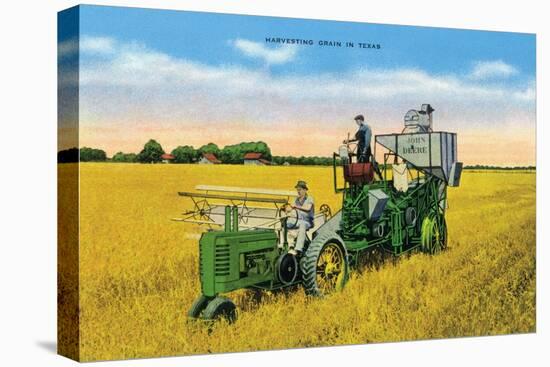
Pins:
<point x="412" y="149"/>
<point x="415" y="150"/>
<point x="416" y="139"/>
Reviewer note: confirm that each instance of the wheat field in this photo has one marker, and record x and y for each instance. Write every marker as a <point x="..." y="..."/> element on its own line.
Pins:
<point x="139" y="269"/>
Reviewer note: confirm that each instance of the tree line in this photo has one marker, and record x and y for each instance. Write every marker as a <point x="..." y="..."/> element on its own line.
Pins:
<point x="230" y="154"/>
<point x="305" y="161"/>
<point x="152" y="153"/>
<point x="478" y="166"/>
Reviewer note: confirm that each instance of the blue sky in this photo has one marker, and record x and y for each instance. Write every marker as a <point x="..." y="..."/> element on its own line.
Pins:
<point x="193" y="78"/>
<point x="203" y="37"/>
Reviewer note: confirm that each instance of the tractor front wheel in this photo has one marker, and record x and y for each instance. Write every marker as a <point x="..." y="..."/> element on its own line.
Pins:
<point x="324" y="265"/>
<point x="198" y="306"/>
<point x="220" y="308"/>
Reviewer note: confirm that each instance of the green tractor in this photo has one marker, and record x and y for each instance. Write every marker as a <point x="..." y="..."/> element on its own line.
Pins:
<point x="396" y="207"/>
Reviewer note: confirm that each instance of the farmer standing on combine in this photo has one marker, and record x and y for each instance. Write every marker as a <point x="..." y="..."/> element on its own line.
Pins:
<point x="362" y="137"/>
<point x="305" y="208"/>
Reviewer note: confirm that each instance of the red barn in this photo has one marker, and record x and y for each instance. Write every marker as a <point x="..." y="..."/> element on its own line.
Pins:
<point x="255" y="159"/>
<point x="167" y="158"/>
<point x="209" y="158"/>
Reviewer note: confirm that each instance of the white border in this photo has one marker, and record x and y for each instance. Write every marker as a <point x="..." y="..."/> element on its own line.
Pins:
<point x="28" y="189"/>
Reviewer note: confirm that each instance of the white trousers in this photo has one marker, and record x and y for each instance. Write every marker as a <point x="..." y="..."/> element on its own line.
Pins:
<point x="301" y="226"/>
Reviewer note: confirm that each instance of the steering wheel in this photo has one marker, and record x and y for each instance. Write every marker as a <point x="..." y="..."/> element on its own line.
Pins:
<point x="290" y="215"/>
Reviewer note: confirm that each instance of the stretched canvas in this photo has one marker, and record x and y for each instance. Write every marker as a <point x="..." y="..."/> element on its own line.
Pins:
<point x="233" y="183"/>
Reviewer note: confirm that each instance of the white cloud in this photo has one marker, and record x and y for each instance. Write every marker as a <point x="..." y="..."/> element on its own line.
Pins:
<point x="86" y="44"/>
<point x="492" y="69"/>
<point x="279" y="55"/>
<point x="97" y="45"/>
<point x="528" y="93"/>
<point x="129" y="80"/>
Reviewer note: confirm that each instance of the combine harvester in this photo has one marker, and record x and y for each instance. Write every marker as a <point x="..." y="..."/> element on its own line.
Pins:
<point x="397" y="206"/>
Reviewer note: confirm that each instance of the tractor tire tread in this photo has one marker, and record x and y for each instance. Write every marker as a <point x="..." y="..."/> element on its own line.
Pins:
<point x="310" y="258"/>
<point x="198" y="306"/>
<point x="210" y="310"/>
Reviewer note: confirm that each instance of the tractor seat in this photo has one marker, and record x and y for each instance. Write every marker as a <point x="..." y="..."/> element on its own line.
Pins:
<point x="318" y="220"/>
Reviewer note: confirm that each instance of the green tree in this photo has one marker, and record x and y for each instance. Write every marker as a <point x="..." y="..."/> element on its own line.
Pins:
<point x="235" y="153"/>
<point x="123" y="157"/>
<point x="118" y="157"/>
<point x="185" y="154"/>
<point x="317" y="161"/>
<point x="92" y="155"/>
<point x="256" y="147"/>
<point x="130" y="157"/>
<point x="209" y="148"/>
<point x="151" y="153"/>
<point x="278" y="159"/>
<point x="230" y="154"/>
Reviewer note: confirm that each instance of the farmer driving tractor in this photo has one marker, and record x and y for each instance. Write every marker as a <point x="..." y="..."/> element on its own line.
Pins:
<point x="397" y="215"/>
<point x="305" y="209"/>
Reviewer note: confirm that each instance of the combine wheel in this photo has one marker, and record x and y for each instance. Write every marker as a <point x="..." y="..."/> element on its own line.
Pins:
<point x="220" y="308"/>
<point x="434" y="234"/>
<point x="325" y="265"/>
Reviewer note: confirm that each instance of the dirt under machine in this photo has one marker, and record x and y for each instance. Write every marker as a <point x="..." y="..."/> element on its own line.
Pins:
<point x="396" y="206"/>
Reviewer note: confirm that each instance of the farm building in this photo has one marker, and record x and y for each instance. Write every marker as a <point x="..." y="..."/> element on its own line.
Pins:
<point x="209" y="158"/>
<point x="255" y="159"/>
<point x="167" y="158"/>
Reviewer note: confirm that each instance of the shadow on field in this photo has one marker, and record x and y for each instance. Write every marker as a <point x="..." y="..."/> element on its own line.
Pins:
<point x="374" y="259"/>
<point x="251" y="299"/>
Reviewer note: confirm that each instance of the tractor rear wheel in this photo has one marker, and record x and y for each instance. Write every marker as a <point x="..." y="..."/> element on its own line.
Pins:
<point x="220" y="308"/>
<point x="434" y="234"/>
<point x="324" y="265"/>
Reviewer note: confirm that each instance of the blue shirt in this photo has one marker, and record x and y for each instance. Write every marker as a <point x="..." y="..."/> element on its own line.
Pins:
<point x="364" y="136"/>
<point x="307" y="216"/>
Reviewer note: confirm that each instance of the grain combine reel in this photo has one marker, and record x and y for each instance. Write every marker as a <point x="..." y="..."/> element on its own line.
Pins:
<point x="396" y="206"/>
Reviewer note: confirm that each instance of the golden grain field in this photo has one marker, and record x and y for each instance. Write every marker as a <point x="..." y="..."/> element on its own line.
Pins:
<point x="139" y="270"/>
